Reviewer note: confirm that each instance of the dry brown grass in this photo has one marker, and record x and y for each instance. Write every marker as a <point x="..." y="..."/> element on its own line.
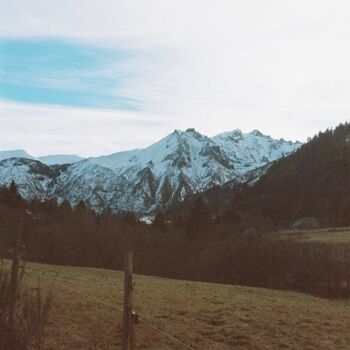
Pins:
<point x="208" y="316"/>
<point x="327" y="235"/>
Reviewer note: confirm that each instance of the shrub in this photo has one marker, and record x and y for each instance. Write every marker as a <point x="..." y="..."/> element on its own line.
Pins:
<point x="26" y="329"/>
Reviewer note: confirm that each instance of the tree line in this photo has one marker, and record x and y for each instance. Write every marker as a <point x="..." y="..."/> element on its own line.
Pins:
<point x="194" y="247"/>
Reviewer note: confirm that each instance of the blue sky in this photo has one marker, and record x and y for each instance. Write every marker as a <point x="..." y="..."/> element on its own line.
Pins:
<point x="58" y="72"/>
<point x="95" y="77"/>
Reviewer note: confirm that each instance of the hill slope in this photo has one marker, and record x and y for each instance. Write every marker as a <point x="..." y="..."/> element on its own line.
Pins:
<point x="87" y="304"/>
<point x="314" y="181"/>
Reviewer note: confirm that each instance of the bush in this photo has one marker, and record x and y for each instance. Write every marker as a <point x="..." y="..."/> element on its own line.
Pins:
<point x="26" y="329"/>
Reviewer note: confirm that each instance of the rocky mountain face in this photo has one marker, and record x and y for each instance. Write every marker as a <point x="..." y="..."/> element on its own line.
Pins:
<point x="146" y="180"/>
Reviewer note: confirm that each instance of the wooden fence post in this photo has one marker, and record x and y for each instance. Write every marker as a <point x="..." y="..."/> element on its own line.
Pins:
<point x="128" y="323"/>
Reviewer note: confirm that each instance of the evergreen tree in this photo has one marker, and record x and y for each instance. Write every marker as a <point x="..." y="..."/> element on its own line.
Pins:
<point x="159" y="221"/>
<point x="199" y="220"/>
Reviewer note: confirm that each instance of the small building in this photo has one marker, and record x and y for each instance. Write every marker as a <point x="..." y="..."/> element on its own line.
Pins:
<point x="249" y="231"/>
<point x="306" y="223"/>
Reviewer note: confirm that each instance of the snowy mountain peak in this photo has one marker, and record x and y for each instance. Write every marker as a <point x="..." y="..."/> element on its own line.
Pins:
<point x="236" y="134"/>
<point x="256" y="132"/>
<point x="254" y="149"/>
<point x="188" y="133"/>
<point x="193" y="132"/>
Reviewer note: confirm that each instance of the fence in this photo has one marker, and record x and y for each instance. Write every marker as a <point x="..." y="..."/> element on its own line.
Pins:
<point x="129" y="316"/>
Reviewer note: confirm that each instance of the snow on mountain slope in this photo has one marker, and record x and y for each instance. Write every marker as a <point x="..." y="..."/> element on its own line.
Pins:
<point x="253" y="150"/>
<point x="146" y="180"/>
<point x="187" y="153"/>
<point x="33" y="178"/>
<point x="93" y="184"/>
<point x="178" y="165"/>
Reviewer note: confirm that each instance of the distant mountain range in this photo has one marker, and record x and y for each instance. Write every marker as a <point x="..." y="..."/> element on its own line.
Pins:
<point x="145" y="180"/>
<point x="49" y="160"/>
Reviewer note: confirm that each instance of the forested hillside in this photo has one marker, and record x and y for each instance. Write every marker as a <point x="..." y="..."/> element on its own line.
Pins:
<point x="312" y="182"/>
<point x="196" y="248"/>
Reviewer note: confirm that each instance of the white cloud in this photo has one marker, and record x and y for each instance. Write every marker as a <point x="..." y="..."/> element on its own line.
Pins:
<point x="43" y="130"/>
<point x="279" y="66"/>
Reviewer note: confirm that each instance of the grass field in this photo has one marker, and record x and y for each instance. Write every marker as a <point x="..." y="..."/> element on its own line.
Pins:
<point x="330" y="235"/>
<point x="87" y="304"/>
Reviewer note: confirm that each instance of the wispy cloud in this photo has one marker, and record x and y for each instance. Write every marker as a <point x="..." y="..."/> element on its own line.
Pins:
<point x="45" y="130"/>
<point x="279" y="66"/>
<point x="64" y="72"/>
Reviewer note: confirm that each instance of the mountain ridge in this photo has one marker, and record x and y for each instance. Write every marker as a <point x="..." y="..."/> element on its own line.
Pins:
<point x="149" y="179"/>
<point x="311" y="183"/>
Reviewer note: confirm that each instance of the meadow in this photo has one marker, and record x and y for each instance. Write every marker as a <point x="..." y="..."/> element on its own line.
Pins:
<point x="87" y="304"/>
<point x="326" y="235"/>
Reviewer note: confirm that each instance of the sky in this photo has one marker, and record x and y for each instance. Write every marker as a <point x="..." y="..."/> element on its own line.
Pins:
<point x="95" y="77"/>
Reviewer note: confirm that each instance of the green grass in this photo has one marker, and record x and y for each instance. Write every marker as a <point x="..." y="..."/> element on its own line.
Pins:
<point x="328" y="235"/>
<point x="87" y="303"/>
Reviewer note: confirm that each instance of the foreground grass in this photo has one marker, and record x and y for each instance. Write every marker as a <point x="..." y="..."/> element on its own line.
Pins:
<point x="87" y="303"/>
<point x="327" y="235"/>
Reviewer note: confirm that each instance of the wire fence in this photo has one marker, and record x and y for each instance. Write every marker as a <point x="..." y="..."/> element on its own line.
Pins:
<point x="142" y="320"/>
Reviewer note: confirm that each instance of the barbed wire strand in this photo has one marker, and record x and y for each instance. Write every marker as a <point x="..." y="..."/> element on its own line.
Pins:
<point x="141" y="320"/>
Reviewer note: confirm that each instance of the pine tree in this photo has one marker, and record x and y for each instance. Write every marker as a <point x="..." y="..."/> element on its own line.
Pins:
<point x="199" y="220"/>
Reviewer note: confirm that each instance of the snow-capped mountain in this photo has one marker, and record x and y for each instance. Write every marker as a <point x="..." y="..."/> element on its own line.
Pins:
<point x="146" y="180"/>
<point x="49" y="160"/>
